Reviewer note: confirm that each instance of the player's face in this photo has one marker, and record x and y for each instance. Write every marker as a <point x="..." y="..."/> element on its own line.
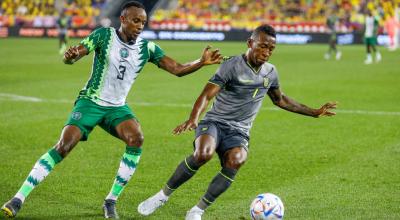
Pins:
<point x="133" y="21"/>
<point x="261" y="48"/>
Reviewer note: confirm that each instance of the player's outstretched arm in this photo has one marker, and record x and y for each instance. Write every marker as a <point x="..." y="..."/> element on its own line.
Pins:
<point x="284" y="102"/>
<point x="209" y="92"/>
<point x="74" y="53"/>
<point x="207" y="58"/>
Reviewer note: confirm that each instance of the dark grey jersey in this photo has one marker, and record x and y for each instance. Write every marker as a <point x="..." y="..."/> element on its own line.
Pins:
<point x="242" y="92"/>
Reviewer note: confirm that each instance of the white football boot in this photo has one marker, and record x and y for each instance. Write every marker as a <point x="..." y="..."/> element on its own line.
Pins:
<point x="151" y="204"/>
<point x="194" y="213"/>
<point x="378" y="57"/>
<point x="338" y="55"/>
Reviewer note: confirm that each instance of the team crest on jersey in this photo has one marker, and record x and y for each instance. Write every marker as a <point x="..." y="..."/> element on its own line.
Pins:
<point x="76" y="115"/>
<point x="123" y="52"/>
<point x="266" y="81"/>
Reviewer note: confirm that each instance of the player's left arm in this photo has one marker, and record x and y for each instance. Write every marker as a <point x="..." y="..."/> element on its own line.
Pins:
<point x="285" y="102"/>
<point x="208" y="57"/>
<point x="74" y="53"/>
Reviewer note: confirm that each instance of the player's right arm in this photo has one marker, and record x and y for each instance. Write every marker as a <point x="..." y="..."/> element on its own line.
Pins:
<point x="209" y="92"/>
<point x="92" y="42"/>
<point x="74" y="53"/>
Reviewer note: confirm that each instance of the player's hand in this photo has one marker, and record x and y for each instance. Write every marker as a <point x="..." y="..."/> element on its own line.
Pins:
<point x="211" y="56"/>
<point x="187" y="125"/>
<point x="71" y="54"/>
<point x="325" y="110"/>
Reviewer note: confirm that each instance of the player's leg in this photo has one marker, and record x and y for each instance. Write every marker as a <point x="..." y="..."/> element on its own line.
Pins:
<point x="327" y="55"/>
<point x="338" y="53"/>
<point x="205" y="145"/>
<point x="368" y="60"/>
<point x="70" y="136"/>
<point x="82" y="119"/>
<point x="62" y="43"/>
<point x="378" y="56"/>
<point x="333" y="45"/>
<point x="130" y="132"/>
<point x="232" y="160"/>
<point x="204" y="149"/>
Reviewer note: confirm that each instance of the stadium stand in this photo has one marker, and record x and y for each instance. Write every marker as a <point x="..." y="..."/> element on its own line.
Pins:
<point x="290" y="16"/>
<point x="44" y="13"/>
<point x="284" y="15"/>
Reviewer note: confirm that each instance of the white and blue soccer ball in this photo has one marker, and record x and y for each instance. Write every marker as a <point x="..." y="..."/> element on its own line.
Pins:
<point x="267" y="206"/>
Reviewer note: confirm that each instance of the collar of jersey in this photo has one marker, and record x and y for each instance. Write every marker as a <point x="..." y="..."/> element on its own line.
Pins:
<point x="248" y="64"/>
<point x="120" y="39"/>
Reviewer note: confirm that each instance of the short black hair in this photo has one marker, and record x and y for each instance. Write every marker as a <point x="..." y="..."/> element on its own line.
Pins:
<point x="265" y="28"/>
<point x="132" y="4"/>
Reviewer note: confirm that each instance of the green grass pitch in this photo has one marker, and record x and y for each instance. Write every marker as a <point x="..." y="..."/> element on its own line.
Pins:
<point x="343" y="167"/>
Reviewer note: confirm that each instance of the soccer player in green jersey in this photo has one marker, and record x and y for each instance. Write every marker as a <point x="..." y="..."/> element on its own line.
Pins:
<point x="371" y="37"/>
<point x="239" y="87"/>
<point x="119" y="57"/>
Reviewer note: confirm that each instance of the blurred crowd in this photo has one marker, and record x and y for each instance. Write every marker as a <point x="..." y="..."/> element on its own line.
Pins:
<point x="197" y="14"/>
<point x="44" y="13"/>
<point x="248" y="14"/>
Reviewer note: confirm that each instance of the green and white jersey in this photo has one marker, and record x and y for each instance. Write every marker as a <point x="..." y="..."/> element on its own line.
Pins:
<point x="116" y="65"/>
<point x="371" y="26"/>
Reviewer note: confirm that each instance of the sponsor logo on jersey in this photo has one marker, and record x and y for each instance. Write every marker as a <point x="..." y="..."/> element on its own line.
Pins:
<point x="123" y="52"/>
<point x="76" y="115"/>
<point x="245" y="81"/>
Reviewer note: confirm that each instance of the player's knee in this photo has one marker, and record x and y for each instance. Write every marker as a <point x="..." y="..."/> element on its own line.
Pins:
<point x="135" y="139"/>
<point x="201" y="156"/>
<point x="235" y="159"/>
<point x="64" y="147"/>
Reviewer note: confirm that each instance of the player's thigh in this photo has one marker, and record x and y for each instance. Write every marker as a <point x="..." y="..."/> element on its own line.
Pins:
<point x="85" y="115"/>
<point x="122" y="123"/>
<point x="128" y="128"/>
<point x="206" y="140"/>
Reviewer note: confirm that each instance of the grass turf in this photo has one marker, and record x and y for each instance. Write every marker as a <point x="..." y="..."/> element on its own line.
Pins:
<point x="344" y="167"/>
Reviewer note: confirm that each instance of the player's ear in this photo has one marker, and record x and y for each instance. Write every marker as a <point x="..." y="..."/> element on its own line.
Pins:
<point x="249" y="42"/>
<point x="122" y="19"/>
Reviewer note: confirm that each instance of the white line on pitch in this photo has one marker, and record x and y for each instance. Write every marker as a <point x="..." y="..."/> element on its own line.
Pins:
<point x="14" y="97"/>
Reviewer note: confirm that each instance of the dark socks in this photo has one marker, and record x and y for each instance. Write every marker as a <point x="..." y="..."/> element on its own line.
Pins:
<point x="185" y="170"/>
<point x="218" y="185"/>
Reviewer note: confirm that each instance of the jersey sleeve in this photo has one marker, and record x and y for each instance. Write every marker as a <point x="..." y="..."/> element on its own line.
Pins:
<point x="274" y="79"/>
<point x="155" y="52"/>
<point x="222" y="76"/>
<point x="95" y="39"/>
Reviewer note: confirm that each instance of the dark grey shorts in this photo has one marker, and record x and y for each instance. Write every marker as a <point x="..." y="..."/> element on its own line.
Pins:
<point x="225" y="136"/>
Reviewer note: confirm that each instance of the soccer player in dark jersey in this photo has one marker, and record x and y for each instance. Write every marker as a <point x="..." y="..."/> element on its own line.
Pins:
<point x="331" y="22"/>
<point x="239" y="87"/>
<point x="119" y="57"/>
<point x="63" y="22"/>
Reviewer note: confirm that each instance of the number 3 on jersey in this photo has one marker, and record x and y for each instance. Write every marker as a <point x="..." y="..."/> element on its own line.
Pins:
<point x="121" y="72"/>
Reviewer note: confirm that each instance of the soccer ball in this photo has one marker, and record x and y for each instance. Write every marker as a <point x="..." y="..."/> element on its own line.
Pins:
<point x="267" y="206"/>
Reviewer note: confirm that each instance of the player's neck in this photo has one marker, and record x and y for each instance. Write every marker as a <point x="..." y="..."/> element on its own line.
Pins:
<point x="246" y="57"/>
<point x="122" y="36"/>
